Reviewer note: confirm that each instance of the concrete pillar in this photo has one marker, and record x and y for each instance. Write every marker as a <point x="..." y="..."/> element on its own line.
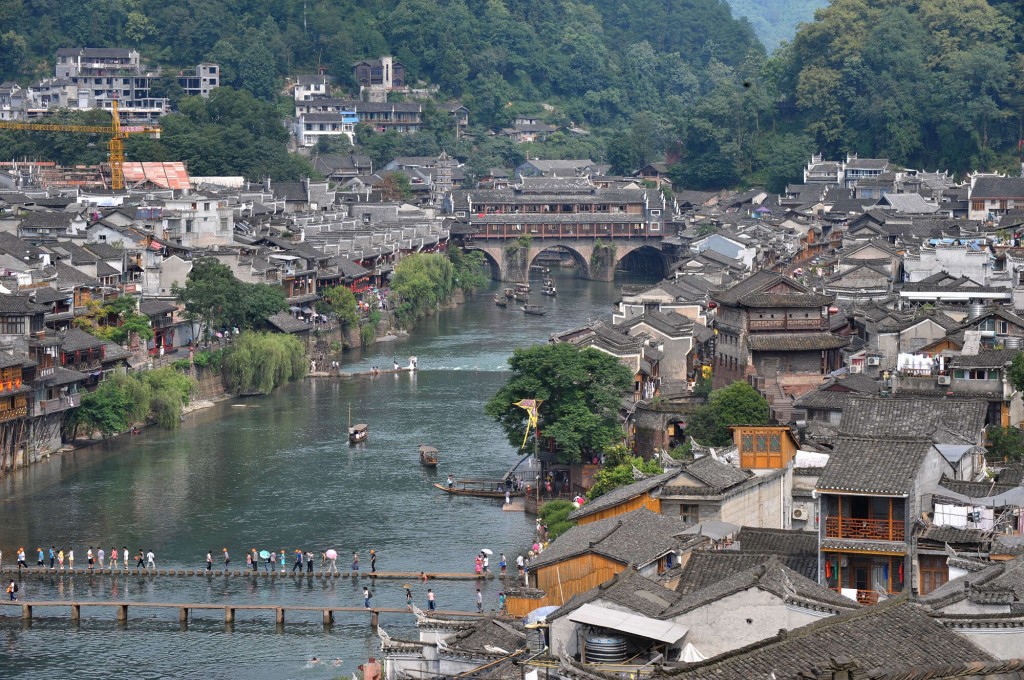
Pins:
<point x="26" y="612"/>
<point x="76" y="612"/>
<point x="373" y="619"/>
<point x="229" y="614"/>
<point x="122" y="612"/>
<point x="183" y="615"/>
<point x="328" y="617"/>
<point x="280" y="616"/>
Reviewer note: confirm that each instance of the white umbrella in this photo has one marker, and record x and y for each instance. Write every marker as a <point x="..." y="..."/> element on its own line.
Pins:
<point x="332" y="554"/>
<point x="486" y="551"/>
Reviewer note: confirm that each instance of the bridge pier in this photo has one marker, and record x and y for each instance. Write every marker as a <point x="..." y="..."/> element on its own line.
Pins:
<point x="328" y="617"/>
<point x="26" y="612"/>
<point x="183" y="615"/>
<point x="280" y="615"/>
<point x="76" y="612"/>
<point x="374" y="620"/>
<point x="229" y="614"/>
<point x="122" y="613"/>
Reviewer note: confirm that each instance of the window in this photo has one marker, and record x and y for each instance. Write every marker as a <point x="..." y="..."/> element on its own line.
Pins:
<point x="977" y="206"/>
<point x="12" y="325"/>
<point x="934" y="572"/>
<point x="689" y="513"/>
<point x="188" y="226"/>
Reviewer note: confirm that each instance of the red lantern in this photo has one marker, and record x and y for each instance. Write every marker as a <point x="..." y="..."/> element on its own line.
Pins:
<point x="828" y="569"/>
<point x="712" y="305"/>
<point x="833" y="310"/>
<point x="901" y="572"/>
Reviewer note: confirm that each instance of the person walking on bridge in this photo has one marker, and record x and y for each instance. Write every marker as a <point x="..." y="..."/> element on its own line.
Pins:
<point x="113" y="558"/>
<point x="298" y="562"/>
<point x="373" y="561"/>
<point x="124" y="553"/>
<point x="150" y="560"/>
<point x="53" y="555"/>
<point x="71" y="559"/>
<point x="431" y="602"/>
<point x="209" y="561"/>
<point x="309" y="561"/>
<point x="100" y="556"/>
<point x="60" y="558"/>
<point x="227" y="558"/>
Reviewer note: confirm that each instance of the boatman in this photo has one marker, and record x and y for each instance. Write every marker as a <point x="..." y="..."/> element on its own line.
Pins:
<point x="451" y="482"/>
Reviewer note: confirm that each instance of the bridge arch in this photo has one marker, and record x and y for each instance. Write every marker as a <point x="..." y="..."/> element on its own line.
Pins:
<point x="581" y="260"/>
<point x="643" y="259"/>
<point x="489" y="258"/>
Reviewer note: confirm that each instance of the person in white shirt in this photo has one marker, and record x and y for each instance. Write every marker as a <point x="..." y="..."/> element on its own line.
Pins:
<point x="150" y="564"/>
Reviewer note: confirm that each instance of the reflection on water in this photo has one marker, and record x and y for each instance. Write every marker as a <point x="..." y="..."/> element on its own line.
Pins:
<point x="278" y="472"/>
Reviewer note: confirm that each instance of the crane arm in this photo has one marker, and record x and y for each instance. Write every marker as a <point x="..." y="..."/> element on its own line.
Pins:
<point x="51" y="127"/>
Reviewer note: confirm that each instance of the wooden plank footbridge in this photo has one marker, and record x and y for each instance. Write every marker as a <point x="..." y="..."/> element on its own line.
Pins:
<point x="74" y="608"/>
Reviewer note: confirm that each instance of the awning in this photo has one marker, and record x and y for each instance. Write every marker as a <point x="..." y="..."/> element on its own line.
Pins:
<point x="293" y="308"/>
<point x="633" y="624"/>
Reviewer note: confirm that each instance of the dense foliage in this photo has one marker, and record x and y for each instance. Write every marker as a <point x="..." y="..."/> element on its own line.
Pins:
<point x="555" y="516"/>
<point x="933" y="84"/>
<point x="620" y="472"/>
<point x="215" y="299"/>
<point x="581" y="390"/>
<point x="469" y="274"/>
<point x="114" y="320"/>
<point x="420" y="283"/>
<point x="737" y="404"/>
<point x="123" y="400"/>
<point x="1006" y="443"/>
<point x="341" y="302"/>
<point x="256" y="363"/>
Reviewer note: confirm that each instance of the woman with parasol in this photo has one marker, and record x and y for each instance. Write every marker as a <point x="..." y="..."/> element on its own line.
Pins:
<point x="265" y="556"/>
<point x="332" y="557"/>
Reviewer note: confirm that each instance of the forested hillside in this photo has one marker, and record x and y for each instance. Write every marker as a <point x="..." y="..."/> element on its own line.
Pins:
<point x="928" y="83"/>
<point x="775" y="21"/>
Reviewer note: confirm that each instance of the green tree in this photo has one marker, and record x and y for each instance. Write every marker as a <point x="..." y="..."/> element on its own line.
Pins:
<point x="341" y="302"/>
<point x="420" y="283"/>
<point x="737" y="404"/>
<point x="621" y="474"/>
<point x="213" y="298"/>
<point x="1006" y="443"/>
<point x="256" y="363"/>
<point x="555" y="516"/>
<point x="395" y="186"/>
<point x="581" y="391"/>
<point x="469" y="269"/>
<point x="1016" y="372"/>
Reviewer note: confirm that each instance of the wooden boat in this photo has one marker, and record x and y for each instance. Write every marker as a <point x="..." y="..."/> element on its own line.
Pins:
<point x="539" y="268"/>
<point x="550" y="291"/>
<point x="428" y="456"/>
<point x="522" y="288"/>
<point x="480" y="488"/>
<point x="522" y="297"/>
<point x="358" y="433"/>
<point x="535" y="310"/>
<point x="500" y="300"/>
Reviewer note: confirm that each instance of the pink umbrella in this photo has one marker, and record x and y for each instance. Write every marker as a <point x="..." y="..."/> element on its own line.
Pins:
<point x="332" y="554"/>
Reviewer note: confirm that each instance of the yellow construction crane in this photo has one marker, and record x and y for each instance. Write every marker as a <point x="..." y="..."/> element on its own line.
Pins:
<point x="115" y="146"/>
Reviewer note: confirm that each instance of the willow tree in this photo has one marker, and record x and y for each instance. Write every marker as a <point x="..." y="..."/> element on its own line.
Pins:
<point x="256" y="363"/>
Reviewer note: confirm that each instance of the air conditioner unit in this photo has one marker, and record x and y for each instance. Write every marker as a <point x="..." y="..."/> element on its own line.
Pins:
<point x="800" y="512"/>
<point x="874" y="361"/>
<point x="944" y="380"/>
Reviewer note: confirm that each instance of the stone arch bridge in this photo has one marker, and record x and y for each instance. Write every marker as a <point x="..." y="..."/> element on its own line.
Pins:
<point x="596" y="259"/>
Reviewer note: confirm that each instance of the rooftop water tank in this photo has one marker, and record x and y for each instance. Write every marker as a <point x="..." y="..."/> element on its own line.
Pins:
<point x="606" y="649"/>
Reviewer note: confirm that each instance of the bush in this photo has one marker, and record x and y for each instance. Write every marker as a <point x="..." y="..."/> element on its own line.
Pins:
<point x="367" y="334"/>
<point x="122" y="400"/>
<point x="555" y="515"/>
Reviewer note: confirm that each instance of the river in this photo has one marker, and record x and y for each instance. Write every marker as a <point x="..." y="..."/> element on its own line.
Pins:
<point x="277" y="472"/>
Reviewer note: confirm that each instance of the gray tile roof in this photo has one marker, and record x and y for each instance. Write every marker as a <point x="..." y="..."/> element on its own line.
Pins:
<point x="991" y="359"/>
<point x="704" y="568"/>
<point x="876" y="637"/>
<point x="75" y="339"/>
<point x="636" y="537"/>
<point x="627" y="589"/>
<point x="622" y="494"/>
<point x="714" y="473"/>
<point x="286" y="323"/>
<point x="794" y="342"/>
<point x="943" y="421"/>
<point x="998" y="187"/>
<point x="761" y="283"/>
<point x="19" y="304"/>
<point x="777" y="541"/>
<point x="882" y="465"/>
<point x="954" y="535"/>
<point x="770" y="576"/>
<point x="157" y="307"/>
<point x="1001" y="583"/>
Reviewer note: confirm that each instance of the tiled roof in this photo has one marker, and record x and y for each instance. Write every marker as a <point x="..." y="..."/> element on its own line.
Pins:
<point x="715" y="473"/>
<point x="991" y="359"/>
<point x="998" y="187"/>
<point x="1001" y="583"/>
<point x="943" y="421"/>
<point x="157" y="307"/>
<point x="19" y="304"/>
<point x="846" y="544"/>
<point x="770" y="576"/>
<point x="877" y="637"/>
<point x="953" y="535"/>
<point x="777" y="541"/>
<point x="286" y="323"/>
<point x="636" y="537"/>
<point x="760" y="282"/>
<point x="704" y="568"/>
<point x="75" y="339"/>
<point x="69" y="277"/>
<point x="622" y="494"/>
<point x="627" y="589"/>
<point x="489" y="632"/>
<point x="882" y="465"/>
<point x="838" y="392"/>
<point x="792" y="342"/>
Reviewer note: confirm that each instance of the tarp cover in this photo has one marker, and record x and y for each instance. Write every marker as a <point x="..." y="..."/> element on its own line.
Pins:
<point x="634" y="624"/>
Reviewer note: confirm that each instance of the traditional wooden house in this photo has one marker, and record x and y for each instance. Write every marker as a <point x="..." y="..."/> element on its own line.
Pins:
<point x="640" y="494"/>
<point x="764" y="447"/>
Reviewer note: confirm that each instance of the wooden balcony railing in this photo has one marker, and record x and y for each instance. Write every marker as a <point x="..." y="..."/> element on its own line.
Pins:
<point x="59" y="404"/>
<point x="864" y="529"/>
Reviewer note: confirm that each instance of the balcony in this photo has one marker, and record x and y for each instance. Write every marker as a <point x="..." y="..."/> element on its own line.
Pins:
<point x="11" y="414"/>
<point x="60" y="404"/>
<point x="864" y="529"/>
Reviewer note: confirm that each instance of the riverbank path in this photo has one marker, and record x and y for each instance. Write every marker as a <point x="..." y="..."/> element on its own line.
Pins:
<point x="384" y="575"/>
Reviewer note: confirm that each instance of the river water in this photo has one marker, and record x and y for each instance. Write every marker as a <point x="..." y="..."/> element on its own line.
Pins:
<point x="277" y="472"/>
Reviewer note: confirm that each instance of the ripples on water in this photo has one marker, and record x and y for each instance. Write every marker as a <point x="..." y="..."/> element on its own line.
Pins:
<point x="277" y="473"/>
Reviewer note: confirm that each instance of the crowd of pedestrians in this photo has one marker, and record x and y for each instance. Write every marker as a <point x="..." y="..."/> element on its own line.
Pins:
<point x="60" y="558"/>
